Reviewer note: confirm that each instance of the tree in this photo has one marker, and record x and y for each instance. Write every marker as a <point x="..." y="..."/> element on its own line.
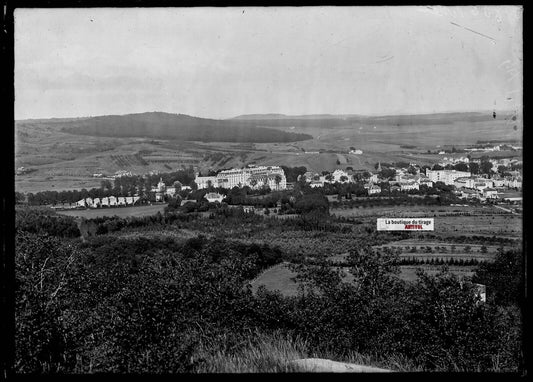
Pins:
<point x="486" y="167"/>
<point x="504" y="277"/>
<point x="329" y="177"/>
<point x="461" y="167"/>
<point x="436" y="166"/>
<point x="278" y="181"/>
<point x="19" y="198"/>
<point x="106" y="185"/>
<point x="387" y="173"/>
<point x="474" y="167"/>
<point x="343" y="178"/>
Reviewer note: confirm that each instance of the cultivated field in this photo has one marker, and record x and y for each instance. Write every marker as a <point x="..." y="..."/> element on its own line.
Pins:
<point x="117" y="211"/>
<point x="64" y="161"/>
<point x="449" y="220"/>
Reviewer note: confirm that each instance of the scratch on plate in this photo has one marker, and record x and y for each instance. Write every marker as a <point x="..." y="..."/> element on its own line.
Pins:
<point x="471" y="30"/>
<point x="387" y="59"/>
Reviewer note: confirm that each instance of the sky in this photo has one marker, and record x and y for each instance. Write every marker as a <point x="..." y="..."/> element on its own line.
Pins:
<point x="224" y="62"/>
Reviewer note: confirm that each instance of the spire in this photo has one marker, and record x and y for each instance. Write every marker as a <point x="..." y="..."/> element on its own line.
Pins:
<point x="379" y="166"/>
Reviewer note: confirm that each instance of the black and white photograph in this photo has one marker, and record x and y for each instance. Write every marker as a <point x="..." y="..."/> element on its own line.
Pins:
<point x="268" y="189"/>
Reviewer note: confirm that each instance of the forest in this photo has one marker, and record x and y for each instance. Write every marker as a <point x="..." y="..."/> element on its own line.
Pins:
<point x="94" y="299"/>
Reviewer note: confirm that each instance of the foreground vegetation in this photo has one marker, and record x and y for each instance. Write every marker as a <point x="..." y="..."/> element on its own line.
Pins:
<point x="91" y="300"/>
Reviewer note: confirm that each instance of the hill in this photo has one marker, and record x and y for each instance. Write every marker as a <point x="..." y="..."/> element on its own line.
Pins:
<point x="177" y="127"/>
<point x="333" y="121"/>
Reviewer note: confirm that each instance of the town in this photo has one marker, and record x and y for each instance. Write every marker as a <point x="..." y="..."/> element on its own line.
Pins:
<point x="481" y="180"/>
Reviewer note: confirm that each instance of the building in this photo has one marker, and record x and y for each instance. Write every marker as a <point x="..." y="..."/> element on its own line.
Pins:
<point x="490" y="193"/>
<point x="338" y="174"/>
<point x="374" y="189"/>
<point x="214" y="197"/>
<point x="411" y="185"/>
<point x="112" y="201"/>
<point x="446" y="176"/>
<point x="252" y="176"/>
<point x="356" y="152"/>
<point x="205" y="181"/>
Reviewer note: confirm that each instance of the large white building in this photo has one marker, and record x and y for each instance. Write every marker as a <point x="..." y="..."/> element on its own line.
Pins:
<point x="446" y="176"/>
<point x="254" y="177"/>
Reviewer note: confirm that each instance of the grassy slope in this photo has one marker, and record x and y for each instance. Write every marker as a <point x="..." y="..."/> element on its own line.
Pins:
<point x="67" y="161"/>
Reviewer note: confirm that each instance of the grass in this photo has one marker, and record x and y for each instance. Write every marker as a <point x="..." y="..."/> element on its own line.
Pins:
<point x="273" y="353"/>
<point x="260" y="354"/>
<point x="280" y="277"/>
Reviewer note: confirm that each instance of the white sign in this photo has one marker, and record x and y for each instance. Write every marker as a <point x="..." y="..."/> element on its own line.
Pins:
<point x="405" y="224"/>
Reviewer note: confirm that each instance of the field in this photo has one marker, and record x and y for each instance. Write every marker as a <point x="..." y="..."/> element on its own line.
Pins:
<point x="281" y="278"/>
<point x="117" y="211"/>
<point x="449" y="220"/>
<point x="63" y="161"/>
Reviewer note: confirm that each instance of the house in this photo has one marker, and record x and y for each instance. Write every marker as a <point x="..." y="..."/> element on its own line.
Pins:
<point x="185" y="201"/>
<point x="490" y="193"/>
<point x="81" y="203"/>
<point x="469" y="194"/>
<point x="480" y="186"/>
<point x="170" y="191"/>
<point x="356" y="152"/>
<point x="426" y="182"/>
<point x="316" y="183"/>
<point x="338" y="174"/>
<point x="105" y="202"/>
<point x="407" y="186"/>
<point x="96" y="203"/>
<point x="374" y="189"/>
<point x="121" y="201"/>
<point x="214" y="197"/>
<point x="112" y="201"/>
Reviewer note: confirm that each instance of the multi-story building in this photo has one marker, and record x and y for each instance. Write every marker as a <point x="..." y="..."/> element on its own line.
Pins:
<point x="446" y="176"/>
<point x="254" y="177"/>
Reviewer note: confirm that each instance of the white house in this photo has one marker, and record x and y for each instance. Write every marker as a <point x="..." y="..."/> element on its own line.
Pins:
<point x="112" y="201"/>
<point x="338" y="174"/>
<point x="214" y="197"/>
<point x="170" y="191"/>
<point x="490" y="193"/>
<point x="205" y="181"/>
<point x="121" y="201"/>
<point x="406" y="186"/>
<point x="374" y="189"/>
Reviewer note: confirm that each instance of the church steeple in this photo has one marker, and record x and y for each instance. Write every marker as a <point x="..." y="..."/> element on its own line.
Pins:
<point x="379" y="166"/>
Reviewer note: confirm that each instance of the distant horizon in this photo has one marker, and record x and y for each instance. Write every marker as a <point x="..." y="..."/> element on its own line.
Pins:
<point x="219" y="63"/>
<point x="287" y="115"/>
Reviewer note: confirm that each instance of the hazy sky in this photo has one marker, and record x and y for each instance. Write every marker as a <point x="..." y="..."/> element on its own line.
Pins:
<point x="222" y="62"/>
